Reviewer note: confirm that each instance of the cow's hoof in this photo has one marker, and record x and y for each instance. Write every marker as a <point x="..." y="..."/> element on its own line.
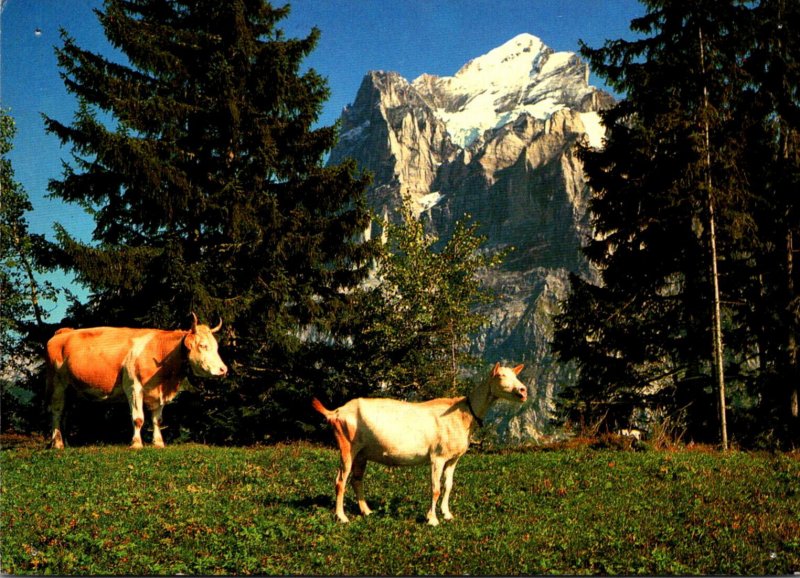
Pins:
<point x="136" y="445"/>
<point x="342" y="518"/>
<point x="158" y="444"/>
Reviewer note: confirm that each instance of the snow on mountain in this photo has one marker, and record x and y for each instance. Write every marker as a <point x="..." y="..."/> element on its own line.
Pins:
<point x="595" y="130"/>
<point x="522" y="75"/>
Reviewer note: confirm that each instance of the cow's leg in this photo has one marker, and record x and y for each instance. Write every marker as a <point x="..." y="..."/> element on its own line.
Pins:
<point x="158" y="441"/>
<point x="346" y="463"/>
<point x="57" y="389"/>
<point x="449" y="470"/>
<point x="359" y="468"/>
<point x="135" y="393"/>
<point x="437" y="465"/>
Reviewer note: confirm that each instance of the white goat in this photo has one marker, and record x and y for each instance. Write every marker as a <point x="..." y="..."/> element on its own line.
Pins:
<point x="399" y="433"/>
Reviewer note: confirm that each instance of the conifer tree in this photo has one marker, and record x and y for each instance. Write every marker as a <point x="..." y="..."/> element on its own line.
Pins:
<point x="643" y="338"/>
<point x="771" y="128"/>
<point x="643" y="344"/>
<point x="197" y="153"/>
<point x="23" y="294"/>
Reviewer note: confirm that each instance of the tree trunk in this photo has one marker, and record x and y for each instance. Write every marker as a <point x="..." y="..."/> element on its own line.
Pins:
<point x="719" y="368"/>
<point x="33" y="287"/>
<point x="791" y="340"/>
<point x="717" y="318"/>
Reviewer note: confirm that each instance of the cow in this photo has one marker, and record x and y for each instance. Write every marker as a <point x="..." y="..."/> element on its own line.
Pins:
<point x="145" y="365"/>
<point x="400" y="433"/>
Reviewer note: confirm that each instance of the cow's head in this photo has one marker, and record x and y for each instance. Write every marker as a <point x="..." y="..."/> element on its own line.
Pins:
<point x="204" y="358"/>
<point x="505" y="385"/>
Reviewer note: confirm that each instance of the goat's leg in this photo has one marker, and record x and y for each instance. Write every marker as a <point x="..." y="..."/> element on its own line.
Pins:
<point x="341" y="482"/>
<point x="359" y="467"/>
<point x="346" y="463"/>
<point x="437" y="465"/>
<point x="449" y="470"/>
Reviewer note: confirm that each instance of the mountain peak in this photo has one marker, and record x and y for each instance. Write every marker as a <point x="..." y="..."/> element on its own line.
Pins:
<point x="515" y="57"/>
<point x="523" y="75"/>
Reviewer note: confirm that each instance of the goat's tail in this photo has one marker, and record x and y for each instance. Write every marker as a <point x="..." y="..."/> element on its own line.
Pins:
<point x="317" y="405"/>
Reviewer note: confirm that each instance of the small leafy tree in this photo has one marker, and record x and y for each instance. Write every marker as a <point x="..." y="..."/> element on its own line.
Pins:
<point x="418" y="318"/>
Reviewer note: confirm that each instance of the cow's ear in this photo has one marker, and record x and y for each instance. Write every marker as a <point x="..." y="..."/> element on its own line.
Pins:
<point x="518" y="368"/>
<point x="188" y="341"/>
<point x="496" y="369"/>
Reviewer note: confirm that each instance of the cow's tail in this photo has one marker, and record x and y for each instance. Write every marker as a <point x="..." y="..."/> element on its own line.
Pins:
<point x="317" y="405"/>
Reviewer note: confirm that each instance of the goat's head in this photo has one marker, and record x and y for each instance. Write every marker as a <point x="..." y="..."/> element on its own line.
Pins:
<point x="504" y="383"/>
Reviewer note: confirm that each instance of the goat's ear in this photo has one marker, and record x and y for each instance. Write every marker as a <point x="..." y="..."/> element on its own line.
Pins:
<point x="518" y="368"/>
<point x="496" y="369"/>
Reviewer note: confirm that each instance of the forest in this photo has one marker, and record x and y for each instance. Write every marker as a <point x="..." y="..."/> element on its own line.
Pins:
<point x="210" y="194"/>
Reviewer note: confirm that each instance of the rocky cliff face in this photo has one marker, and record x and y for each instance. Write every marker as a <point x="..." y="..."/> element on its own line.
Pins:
<point x="495" y="141"/>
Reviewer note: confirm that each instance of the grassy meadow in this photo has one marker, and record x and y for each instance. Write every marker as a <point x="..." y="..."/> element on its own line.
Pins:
<point x="192" y="509"/>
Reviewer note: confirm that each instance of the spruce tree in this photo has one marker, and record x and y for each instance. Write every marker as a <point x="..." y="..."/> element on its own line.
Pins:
<point x="197" y="153"/>
<point x="24" y="295"/>
<point x="643" y="338"/>
<point x="771" y="129"/>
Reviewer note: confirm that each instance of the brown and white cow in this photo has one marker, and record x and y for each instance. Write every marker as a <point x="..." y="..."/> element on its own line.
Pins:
<point x="145" y="365"/>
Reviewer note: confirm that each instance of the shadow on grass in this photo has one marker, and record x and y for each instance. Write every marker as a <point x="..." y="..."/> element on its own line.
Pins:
<point x="396" y="507"/>
<point x="309" y="503"/>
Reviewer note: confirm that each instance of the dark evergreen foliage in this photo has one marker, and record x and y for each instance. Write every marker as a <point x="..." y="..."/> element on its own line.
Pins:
<point x="24" y="297"/>
<point x="209" y="194"/>
<point x="642" y="338"/>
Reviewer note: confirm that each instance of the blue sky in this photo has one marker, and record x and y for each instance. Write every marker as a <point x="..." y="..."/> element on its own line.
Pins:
<point x="406" y="36"/>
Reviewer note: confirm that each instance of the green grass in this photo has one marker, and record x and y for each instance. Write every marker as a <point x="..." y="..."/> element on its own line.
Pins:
<point x="204" y="510"/>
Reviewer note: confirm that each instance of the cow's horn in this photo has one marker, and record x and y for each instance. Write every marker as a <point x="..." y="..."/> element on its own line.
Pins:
<point x="218" y="327"/>
<point x="194" y="321"/>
